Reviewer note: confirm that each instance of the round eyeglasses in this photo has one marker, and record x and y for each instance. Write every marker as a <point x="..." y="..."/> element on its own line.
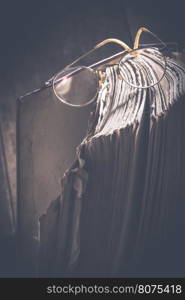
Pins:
<point x="141" y="68"/>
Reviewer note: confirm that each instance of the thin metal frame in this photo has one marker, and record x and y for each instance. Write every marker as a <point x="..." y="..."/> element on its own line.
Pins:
<point x="105" y="62"/>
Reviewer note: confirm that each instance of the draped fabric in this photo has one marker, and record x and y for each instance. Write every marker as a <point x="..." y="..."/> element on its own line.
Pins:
<point x="121" y="210"/>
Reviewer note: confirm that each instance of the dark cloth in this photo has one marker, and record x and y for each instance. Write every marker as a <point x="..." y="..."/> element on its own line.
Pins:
<point x="121" y="211"/>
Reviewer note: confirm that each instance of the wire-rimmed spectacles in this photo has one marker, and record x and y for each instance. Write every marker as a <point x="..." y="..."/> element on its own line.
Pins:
<point x="78" y="86"/>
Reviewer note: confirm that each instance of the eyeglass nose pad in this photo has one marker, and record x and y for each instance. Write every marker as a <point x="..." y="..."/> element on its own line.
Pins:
<point x="101" y="75"/>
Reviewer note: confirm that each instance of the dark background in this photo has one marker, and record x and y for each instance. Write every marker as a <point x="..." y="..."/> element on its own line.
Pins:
<point x="37" y="39"/>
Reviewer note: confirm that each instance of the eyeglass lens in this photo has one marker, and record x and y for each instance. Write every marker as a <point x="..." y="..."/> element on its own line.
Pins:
<point x="77" y="86"/>
<point x="143" y="68"/>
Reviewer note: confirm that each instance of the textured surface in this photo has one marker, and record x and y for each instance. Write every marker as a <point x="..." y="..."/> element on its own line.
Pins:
<point x="121" y="210"/>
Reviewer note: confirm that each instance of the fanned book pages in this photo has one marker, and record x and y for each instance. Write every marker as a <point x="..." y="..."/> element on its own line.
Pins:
<point x="121" y="210"/>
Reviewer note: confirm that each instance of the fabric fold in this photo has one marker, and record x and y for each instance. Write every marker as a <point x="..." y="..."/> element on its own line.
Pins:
<point x="121" y="210"/>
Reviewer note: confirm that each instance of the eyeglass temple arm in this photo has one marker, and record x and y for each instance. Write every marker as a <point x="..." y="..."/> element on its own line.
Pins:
<point x="110" y="40"/>
<point x="138" y="35"/>
<point x="116" y="41"/>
